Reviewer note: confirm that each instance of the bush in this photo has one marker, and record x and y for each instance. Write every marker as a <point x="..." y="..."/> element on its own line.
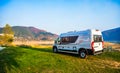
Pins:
<point x="108" y="49"/>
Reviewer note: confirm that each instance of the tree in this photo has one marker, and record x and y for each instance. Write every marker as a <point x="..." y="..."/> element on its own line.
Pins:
<point x="7" y="30"/>
<point x="8" y="35"/>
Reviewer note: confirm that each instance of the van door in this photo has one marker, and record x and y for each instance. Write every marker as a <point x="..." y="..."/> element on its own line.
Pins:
<point x="71" y="45"/>
<point x="67" y="43"/>
<point x="97" y="44"/>
<point x="59" y="43"/>
<point x="61" y="47"/>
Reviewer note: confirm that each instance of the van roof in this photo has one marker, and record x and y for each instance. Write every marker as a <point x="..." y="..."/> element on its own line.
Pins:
<point x="77" y="33"/>
<point x="74" y="33"/>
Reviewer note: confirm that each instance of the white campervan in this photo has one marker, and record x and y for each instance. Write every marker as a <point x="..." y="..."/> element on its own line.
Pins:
<point x="80" y="42"/>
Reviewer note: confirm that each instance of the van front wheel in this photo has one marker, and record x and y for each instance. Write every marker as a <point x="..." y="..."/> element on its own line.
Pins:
<point x="55" y="49"/>
<point x="82" y="54"/>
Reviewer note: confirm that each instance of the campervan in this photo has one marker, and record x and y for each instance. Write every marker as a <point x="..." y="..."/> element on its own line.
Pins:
<point x="80" y="42"/>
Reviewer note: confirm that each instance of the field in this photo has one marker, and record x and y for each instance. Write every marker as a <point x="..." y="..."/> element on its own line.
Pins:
<point x="33" y="43"/>
<point x="25" y="59"/>
<point x="112" y="45"/>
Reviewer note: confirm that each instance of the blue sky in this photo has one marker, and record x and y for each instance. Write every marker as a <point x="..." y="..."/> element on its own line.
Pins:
<point x="58" y="16"/>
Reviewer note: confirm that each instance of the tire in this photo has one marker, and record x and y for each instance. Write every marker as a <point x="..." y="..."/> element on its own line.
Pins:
<point x="55" y="49"/>
<point x="82" y="54"/>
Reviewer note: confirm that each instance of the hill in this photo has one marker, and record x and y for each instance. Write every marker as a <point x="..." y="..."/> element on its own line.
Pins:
<point x="112" y="35"/>
<point x="31" y="33"/>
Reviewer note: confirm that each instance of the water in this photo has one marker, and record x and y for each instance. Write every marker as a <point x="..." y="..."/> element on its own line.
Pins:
<point x="1" y="48"/>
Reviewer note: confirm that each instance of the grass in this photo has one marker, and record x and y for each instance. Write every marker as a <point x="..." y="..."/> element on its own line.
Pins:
<point x="43" y="60"/>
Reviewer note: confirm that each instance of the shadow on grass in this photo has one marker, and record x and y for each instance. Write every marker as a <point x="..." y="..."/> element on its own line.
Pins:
<point x="49" y="50"/>
<point x="69" y="54"/>
<point x="7" y="60"/>
<point x="41" y="49"/>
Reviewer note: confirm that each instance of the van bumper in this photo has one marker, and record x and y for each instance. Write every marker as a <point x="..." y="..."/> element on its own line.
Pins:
<point x="98" y="52"/>
<point x="91" y="52"/>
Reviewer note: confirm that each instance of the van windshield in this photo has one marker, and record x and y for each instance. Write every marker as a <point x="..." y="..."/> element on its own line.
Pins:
<point x="97" y="38"/>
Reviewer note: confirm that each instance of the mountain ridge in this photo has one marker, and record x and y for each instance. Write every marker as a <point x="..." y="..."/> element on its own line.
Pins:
<point x="31" y="33"/>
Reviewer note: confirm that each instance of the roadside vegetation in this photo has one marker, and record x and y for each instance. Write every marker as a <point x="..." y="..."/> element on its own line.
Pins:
<point x="40" y="59"/>
<point x="7" y="35"/>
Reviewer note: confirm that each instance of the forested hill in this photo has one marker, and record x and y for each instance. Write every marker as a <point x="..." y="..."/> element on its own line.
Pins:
<point x="31" y="33"/>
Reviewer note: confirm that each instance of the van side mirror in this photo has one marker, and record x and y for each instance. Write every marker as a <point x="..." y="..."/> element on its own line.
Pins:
<point x="59" y="42"/>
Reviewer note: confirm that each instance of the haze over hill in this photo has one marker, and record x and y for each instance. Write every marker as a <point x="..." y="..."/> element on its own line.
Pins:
<point x="31" y="33"/>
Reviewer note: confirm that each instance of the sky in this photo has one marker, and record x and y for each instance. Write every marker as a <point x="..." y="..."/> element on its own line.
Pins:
<point x="58" y="16"/>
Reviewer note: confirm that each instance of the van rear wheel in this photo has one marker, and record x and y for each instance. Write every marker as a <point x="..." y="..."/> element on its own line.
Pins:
<point x="55" y="49"/>
<point x="82" y="54"/>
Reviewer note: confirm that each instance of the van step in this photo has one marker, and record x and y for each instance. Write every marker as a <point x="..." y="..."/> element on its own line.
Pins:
<point x="98" y="52"/>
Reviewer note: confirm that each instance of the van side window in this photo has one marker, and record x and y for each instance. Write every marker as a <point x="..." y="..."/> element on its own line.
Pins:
<point x="69" y="39"/>
<point x="97" y="38"/>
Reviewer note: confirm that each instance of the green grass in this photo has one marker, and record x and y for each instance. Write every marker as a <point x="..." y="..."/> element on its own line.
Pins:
<point x="43" y="60"/>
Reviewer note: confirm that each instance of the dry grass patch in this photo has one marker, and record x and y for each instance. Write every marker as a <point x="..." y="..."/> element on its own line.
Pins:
<point x="113" y="45"/>
<point x="112" y="64"/>
<point x="33" y="42"/>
